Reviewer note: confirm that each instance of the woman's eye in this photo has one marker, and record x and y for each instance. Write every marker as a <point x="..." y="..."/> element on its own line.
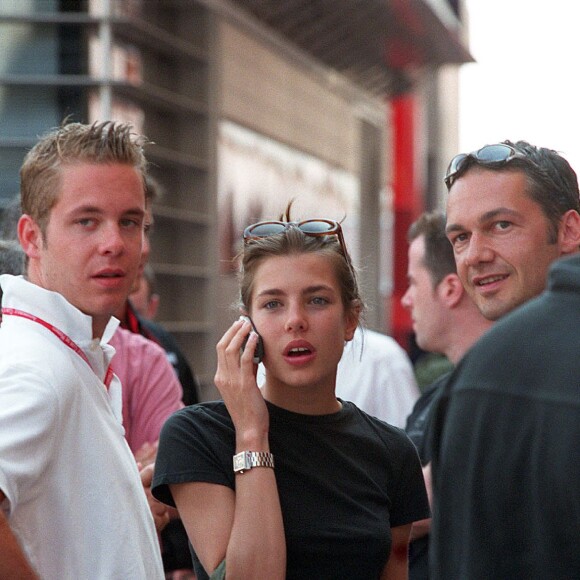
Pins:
<point x="271" y="304"/>
<point x="319" y="300"/>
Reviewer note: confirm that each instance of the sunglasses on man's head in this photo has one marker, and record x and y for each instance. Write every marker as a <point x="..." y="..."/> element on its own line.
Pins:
<point x="497" y="154"/>
<point x="314" y="228"/>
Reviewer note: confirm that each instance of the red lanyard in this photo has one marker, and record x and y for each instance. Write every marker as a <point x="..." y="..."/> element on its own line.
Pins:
<point x="61" y="335"/>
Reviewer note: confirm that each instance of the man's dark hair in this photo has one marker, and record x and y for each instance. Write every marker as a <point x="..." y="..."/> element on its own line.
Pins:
<point x="154" y="191"/>
<point x="552" y="183"/>
<point x="11" y="259"/>
<point x="9" y="219"/>
<point x="438" y="259"/>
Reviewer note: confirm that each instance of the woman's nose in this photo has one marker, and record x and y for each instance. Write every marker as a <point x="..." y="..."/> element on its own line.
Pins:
<point x="296" y="320"/>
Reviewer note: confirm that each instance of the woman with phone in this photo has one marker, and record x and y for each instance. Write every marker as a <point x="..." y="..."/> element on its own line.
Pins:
<point x="288" y="481"/>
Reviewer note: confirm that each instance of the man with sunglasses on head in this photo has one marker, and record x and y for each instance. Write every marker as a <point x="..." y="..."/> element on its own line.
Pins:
<point x="506" y="430"/>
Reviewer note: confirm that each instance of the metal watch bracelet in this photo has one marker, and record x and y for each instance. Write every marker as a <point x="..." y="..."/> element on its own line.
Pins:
<point x="246" y="460"/>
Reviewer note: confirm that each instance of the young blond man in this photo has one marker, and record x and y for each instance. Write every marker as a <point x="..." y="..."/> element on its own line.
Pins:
<point x="73" y="505"/>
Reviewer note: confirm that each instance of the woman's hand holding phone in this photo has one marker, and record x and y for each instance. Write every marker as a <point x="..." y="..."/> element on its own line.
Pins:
<point x="259" y="350"/>
<point x="235" y="379"/>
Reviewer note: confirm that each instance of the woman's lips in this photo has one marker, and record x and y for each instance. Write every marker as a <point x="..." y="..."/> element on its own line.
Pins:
<point x="299" y="352"/>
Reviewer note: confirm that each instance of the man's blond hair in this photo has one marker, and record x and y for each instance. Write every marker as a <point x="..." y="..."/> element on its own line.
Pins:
<point x="102" y="142"/>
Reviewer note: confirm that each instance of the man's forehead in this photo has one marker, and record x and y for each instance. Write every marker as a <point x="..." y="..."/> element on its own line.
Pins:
<point x="100" y="178"/>
<point x="476" y="193"/>
<point x="107" y="171"/>
<point x="79" y="195"/>
<point x="101" y="208"/>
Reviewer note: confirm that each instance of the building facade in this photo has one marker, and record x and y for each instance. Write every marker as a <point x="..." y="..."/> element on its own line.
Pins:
<point x="342" y="106"/>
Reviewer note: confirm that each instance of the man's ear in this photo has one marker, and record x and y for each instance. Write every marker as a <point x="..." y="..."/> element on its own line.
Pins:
<point x="30" y="236"/>
<point x="450" y="290"/>
<point x="569" y="232"/>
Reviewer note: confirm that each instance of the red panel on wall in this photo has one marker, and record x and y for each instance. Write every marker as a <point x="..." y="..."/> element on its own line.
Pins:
<point x="407" y="206"/>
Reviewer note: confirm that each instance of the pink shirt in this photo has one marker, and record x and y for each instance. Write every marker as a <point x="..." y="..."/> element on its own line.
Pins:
<point x="151" y="389"/>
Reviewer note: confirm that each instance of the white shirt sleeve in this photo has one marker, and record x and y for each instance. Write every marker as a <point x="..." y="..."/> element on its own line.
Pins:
<point x="29" y="416"/>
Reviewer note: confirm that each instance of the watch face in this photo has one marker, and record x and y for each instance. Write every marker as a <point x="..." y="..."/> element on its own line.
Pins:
<point x="240" y="462"/>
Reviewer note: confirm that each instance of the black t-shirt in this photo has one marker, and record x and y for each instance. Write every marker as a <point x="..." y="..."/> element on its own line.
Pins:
<point x="344" y="480"/>
<point x="417" y="428"/>
<point x="418" y="422"/>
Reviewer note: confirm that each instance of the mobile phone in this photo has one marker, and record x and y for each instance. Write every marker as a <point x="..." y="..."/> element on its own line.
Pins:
<point x="259" y="352"/>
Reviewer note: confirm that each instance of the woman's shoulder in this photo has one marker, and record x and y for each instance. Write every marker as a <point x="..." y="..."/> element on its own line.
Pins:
<point x="387" y="433"/>
<point x="199" y="415"/>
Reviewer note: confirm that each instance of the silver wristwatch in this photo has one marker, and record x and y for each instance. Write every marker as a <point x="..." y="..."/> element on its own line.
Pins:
<point x="247" y="459"/>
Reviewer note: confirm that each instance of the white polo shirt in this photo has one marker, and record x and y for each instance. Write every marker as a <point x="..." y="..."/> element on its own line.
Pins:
<point x="73" y="493"/>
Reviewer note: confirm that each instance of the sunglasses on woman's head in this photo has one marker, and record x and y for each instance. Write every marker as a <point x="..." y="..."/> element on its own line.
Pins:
<point x="497" y="154"/>
<point x="314" y="228"/>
